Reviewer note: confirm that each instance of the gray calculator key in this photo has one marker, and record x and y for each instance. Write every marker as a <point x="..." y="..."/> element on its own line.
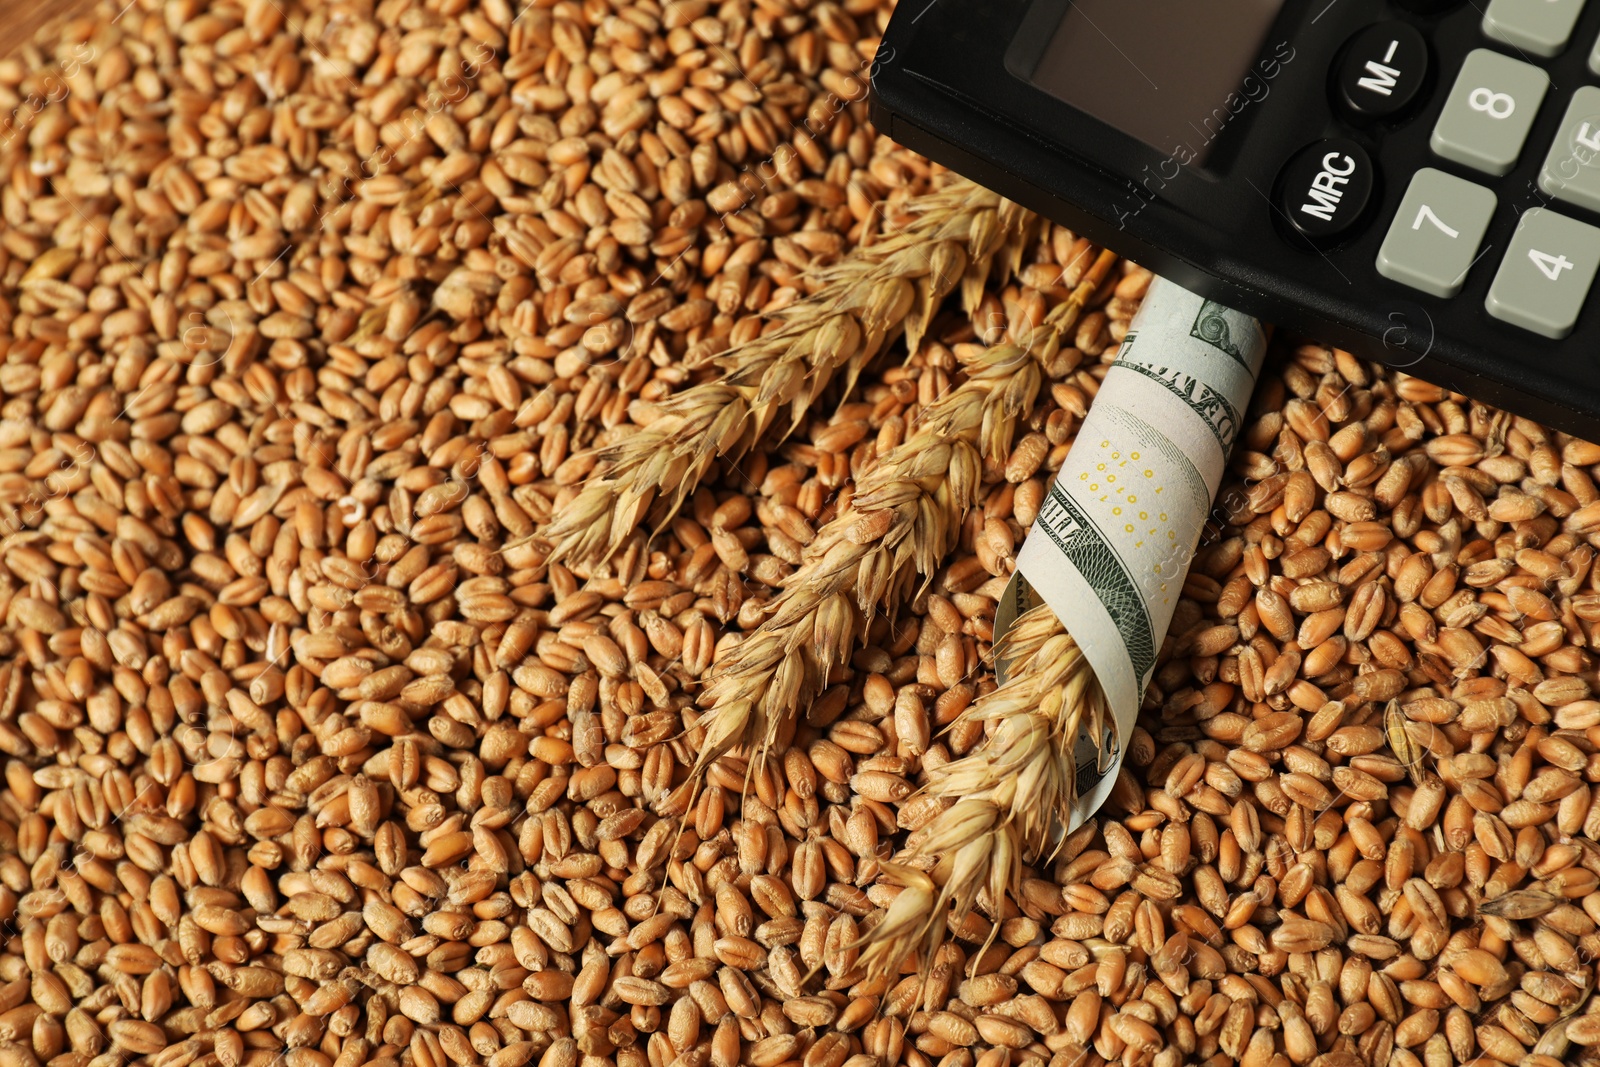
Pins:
<point x="1434" y="238"/>
<point x="1546" y="274"/>
<point x="1542" y="27"/>
<point x="1571" y="170"/>
<point x="1490" y="108"/>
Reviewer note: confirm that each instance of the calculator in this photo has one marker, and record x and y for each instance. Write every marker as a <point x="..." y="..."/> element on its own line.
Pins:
<point x="1417" y="182"/>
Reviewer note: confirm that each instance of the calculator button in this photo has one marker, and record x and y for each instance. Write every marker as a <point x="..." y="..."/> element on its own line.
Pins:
<point x="1542" y="27"/>
<point x="1571" y="170"/>
<point x="1384" y="66"/>
<point x="1594" y="58"/>
<point x="1325" y="188"/>
<point x="1546" y="274"/>
<point x="1435" y="235"/>
<point x="1490" y="108"/>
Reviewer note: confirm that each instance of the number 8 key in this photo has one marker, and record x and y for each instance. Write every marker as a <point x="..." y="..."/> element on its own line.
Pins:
<point x="1489" y="112"/>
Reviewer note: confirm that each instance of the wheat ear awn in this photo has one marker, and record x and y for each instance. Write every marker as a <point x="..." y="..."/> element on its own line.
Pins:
<point x="901" y="524"/>
<point x="865" y="301"/>
<point x="1005" y="796"/>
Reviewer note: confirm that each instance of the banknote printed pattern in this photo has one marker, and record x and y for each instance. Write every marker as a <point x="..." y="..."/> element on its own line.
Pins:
<point x="1113" y="540"/>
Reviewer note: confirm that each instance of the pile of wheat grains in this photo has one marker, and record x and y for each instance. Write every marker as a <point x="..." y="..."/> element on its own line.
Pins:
<point x="316" y="318"/>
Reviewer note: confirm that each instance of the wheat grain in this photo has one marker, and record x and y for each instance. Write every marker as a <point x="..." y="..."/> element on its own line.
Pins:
<point x="902" y="522"/>
<point x="890" y="288"/>
<point x="300" y="766"/>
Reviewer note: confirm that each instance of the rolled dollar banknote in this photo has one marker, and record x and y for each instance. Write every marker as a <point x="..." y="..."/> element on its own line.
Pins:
<point x="1113" y="540"/>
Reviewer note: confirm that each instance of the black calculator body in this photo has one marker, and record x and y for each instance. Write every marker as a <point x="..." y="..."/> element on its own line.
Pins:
<point x="1418" y="182"/>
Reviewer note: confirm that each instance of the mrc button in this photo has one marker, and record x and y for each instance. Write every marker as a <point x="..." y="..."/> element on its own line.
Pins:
<point x="1382" y="71"/>
<point x="1324" y="190"/>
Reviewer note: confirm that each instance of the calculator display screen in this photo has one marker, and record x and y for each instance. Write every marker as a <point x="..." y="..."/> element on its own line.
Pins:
<point x="1172" y="73"/>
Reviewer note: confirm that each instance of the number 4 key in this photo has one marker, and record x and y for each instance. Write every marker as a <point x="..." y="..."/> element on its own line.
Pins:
<point x="1552" y="266"/>
<point x="1545" y="277"/>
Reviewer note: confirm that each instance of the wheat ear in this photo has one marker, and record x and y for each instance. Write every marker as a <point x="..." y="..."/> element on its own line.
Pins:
<point x="956" y="236"/>
<point x="902" y="522"/>
<point x="1008" y="796"/>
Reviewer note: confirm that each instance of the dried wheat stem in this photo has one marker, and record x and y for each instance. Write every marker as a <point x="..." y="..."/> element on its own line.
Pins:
<point x="902" y="522"/>
<point x="864" y="302"/>
<point x="1009" y="796"/>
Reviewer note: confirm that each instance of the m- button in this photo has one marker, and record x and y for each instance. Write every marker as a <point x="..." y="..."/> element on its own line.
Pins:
<point x="1324" y="190"/>
<point x="1383" y="69"/>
